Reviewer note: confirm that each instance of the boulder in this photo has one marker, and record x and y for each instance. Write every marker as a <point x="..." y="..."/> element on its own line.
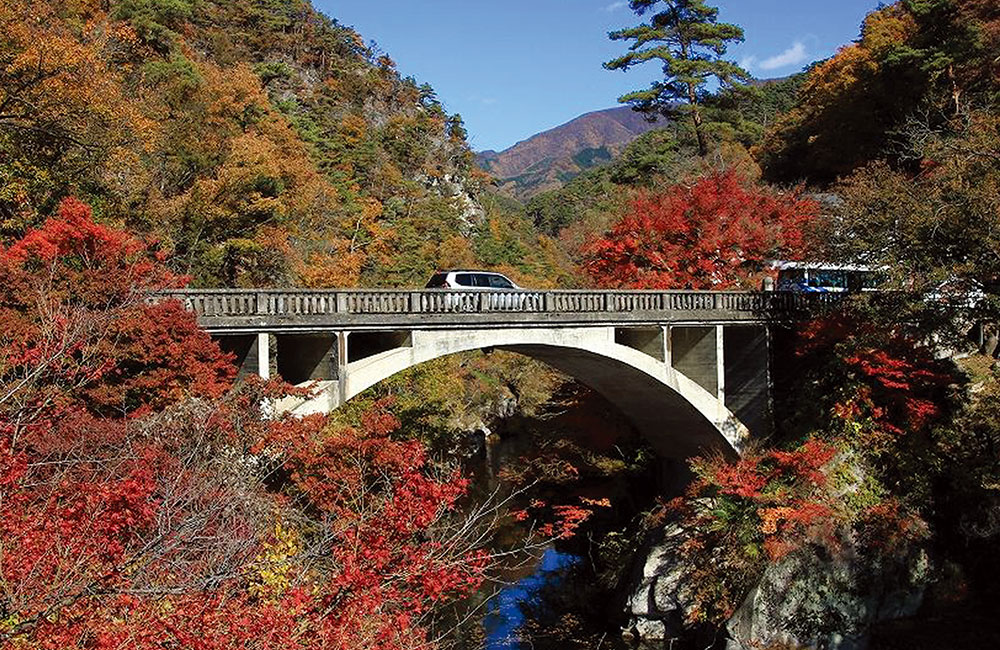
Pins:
<point x="656" y="605"/>
<point x="807" y="599"/>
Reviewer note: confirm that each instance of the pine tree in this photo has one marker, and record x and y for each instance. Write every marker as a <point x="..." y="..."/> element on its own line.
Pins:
<point x="689" y="42"/>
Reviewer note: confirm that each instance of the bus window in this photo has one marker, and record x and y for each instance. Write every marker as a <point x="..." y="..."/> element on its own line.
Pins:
<point x="828" y="279"/>
<point x="791" y="279"/>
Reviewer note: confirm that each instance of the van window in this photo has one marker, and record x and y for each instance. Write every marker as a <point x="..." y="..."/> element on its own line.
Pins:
<point x="791" y="279"/>
<point x="464" y="280"/>
<point x="500" y="282"/>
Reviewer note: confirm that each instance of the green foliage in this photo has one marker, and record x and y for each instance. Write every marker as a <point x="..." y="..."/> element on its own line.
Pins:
<point x="591" y="157"/>
<point x="456" y="128"/>
<point x="746" y="112"/>
<point x="269" y="71"/>
<point x="155" y="20"/>
<point x="175" y="77"/>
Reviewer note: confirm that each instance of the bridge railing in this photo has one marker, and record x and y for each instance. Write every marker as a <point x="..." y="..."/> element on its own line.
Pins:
<point x="307" y="302"/>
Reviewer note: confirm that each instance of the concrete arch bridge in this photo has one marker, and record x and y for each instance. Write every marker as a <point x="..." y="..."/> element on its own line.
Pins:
<point x="690" y="369"/>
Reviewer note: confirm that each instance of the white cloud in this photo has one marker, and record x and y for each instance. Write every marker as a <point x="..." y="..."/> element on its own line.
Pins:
<point x="748" y="62"/>
<point x="615" y="6"/>
<point x="795" y="54"/>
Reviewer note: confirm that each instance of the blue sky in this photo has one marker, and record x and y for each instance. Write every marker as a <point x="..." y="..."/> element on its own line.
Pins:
<point x="516" y="67"/>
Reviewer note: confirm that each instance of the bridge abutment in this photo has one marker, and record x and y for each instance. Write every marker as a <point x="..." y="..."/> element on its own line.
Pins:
<point x="747" y="369"/>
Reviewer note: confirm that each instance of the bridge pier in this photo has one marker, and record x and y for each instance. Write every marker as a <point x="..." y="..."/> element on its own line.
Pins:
<point x="747" y="370"/>
<point x="262" y="349"/>
<point x="342" y="361"/>
<point x="698" y="353"/>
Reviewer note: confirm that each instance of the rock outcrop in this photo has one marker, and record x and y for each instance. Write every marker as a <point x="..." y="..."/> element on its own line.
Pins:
<point x="810" y="600"/>
<point x="807" y="599"/>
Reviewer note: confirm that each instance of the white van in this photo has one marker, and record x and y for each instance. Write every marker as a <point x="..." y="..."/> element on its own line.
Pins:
<point x="473" y="290"/>
<point x="463" y="279"/>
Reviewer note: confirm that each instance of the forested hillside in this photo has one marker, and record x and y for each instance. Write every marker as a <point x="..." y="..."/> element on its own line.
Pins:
<point x="917" y="67"/>
<point x="259" y="142"/>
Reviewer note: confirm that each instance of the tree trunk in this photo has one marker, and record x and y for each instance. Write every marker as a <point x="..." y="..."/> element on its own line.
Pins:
<point x="956" y="92"/>
<point x="696" y="118"/>
<point x="990" y="340"/>
<point x="691" y="92"/>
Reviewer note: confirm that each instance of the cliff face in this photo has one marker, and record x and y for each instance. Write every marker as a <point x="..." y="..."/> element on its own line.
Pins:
<point x="550" y="159"/>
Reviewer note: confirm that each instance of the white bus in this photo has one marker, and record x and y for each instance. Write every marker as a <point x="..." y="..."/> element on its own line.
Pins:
<point x="820" y="277"/>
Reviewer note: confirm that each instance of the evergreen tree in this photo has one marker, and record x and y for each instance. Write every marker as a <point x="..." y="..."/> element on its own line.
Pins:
<point x="689" y="42"/>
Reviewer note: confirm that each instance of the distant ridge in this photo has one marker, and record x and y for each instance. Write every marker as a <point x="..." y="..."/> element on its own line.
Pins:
<point x="550" y="159"/>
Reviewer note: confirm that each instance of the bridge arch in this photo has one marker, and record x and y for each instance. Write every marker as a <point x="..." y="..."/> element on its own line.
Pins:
<point x="675" y="414"/>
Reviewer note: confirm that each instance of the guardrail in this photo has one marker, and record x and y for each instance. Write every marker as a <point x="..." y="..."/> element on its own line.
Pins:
<point x="222" y="303"/>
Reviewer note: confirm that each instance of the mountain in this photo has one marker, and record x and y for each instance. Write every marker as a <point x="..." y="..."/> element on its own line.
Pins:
<point x="552" y="158"/>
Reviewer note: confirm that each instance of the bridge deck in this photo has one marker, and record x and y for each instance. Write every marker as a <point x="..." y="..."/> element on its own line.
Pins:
<point x="236" y="310"/>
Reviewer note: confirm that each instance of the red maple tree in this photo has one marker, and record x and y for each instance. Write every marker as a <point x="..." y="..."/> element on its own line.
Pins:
<point x="145" y="503"/>
<point x="716" y="233"/>
<point x="887" y="384"/>
<point x="77" y="325"/>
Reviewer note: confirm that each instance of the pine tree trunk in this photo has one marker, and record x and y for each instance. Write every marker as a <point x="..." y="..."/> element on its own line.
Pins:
<point x="956" y="92"/>
<point x="696" y="118"/>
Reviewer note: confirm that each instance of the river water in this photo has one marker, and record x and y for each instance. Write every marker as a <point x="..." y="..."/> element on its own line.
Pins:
<point x="505" y="613"/>
<point x="572" y="597"/>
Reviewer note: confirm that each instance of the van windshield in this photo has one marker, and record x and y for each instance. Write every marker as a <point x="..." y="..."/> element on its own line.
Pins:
<point x="437" y="281"/>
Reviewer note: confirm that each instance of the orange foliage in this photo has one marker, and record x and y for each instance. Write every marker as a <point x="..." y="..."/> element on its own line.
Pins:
<point x="338" y="269"/>
<point x="59" y="94"/>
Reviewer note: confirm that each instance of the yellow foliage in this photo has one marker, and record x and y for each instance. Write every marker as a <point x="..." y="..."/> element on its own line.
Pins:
<point x="353" y="128"/>
<point x="882" y="30"/>
<point x="274" y="567"/>
<point x="836" y="76"/>
<point x="455" y="253"/>
<point x="887" y="28"/>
